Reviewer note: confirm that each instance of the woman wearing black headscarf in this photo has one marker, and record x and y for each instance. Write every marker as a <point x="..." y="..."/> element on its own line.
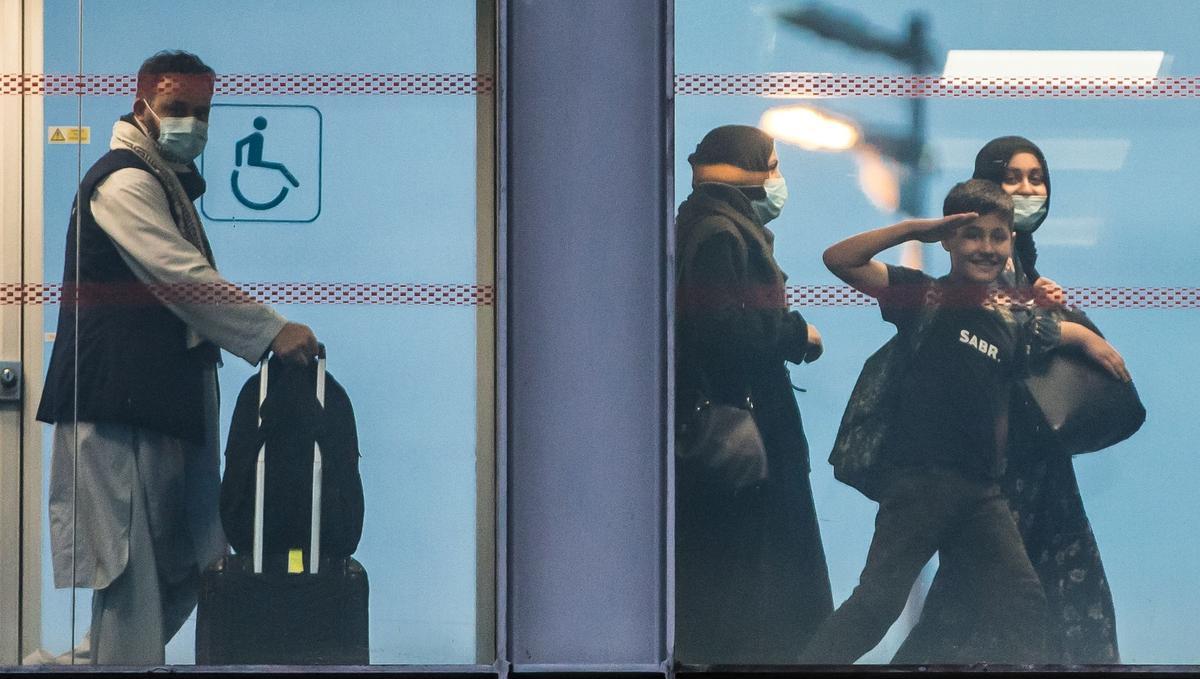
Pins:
<point x="751" y="578"/>
<point x="1020" y="168"/>
<point x="1042" y="489"/>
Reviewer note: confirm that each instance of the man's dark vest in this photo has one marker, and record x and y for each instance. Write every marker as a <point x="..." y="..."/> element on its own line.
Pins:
<point x="133" y="364"/>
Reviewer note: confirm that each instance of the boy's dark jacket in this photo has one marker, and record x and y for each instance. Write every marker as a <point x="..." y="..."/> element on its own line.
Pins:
<point x="859" y="456"/>
<point x="291" y="420"/>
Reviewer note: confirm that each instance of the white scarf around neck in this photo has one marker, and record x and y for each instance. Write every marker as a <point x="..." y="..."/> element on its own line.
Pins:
<point x="187" y="220"/>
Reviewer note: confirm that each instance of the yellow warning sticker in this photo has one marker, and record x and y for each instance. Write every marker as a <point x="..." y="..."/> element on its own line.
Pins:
<point x="69" y="134"/>
<point x="295" y="560"/>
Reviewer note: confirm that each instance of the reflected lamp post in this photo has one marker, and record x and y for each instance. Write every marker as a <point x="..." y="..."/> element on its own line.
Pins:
<point x="912" y="48"/>
<point x="818" y="129"/>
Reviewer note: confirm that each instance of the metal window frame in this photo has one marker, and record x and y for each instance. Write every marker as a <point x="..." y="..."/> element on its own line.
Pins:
<point x="613" y="60"/>
<point x="21" y="504"/>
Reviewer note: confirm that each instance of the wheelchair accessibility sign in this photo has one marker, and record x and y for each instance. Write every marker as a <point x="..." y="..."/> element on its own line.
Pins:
<point x="262" y="164"/>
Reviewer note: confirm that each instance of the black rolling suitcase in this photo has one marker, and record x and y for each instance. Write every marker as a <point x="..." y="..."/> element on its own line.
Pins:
<point x="284" y="609"/>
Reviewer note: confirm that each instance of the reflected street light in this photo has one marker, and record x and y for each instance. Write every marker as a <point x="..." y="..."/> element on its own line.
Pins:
<point x="815" y="129"/>
<point x="810" y="128"/>
<point x="878" y="180"/>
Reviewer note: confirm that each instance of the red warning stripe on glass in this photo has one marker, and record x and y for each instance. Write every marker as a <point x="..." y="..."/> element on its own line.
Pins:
<point x="470" y="294"/>
<point x="51" y="84"/>
<point x="422" y="294"/>
<point x="1085" y="297"/>
<point x="753" y="84"/>
<point x="847" y="85"/>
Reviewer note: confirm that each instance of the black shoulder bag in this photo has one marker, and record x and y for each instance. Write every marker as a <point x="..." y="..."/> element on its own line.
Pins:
<point x="1081" y="408"/>
<point x="720" y="442"/>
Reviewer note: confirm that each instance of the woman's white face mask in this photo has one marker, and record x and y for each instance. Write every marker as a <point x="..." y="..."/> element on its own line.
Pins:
<point x="777" y="193"/>
<point x="1028" y="212"/>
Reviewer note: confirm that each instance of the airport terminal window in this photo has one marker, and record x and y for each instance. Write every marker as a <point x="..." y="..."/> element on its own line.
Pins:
<point x="877" y="109"/>
<point x="349" y="185"/>
<point x="346" y="157"/>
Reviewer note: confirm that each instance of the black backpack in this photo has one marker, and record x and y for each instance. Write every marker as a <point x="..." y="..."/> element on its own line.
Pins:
<point x="292" y="419"/>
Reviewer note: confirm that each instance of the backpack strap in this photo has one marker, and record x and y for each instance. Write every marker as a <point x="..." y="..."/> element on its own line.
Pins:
<point x="929" y="310"/>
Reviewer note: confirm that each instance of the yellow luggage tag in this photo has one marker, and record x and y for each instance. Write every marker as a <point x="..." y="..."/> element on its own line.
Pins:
<point x="295" y="561"/>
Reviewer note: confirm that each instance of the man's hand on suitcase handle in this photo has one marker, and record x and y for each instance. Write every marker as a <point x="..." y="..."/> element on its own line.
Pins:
<point x="295" y="343"/>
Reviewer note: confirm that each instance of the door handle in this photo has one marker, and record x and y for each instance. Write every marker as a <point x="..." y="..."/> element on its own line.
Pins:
<point x="10" y="381"/>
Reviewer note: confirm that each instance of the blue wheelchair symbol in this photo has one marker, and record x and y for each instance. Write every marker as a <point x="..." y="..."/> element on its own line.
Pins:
<point x="253" y="143"/>
<point x="263" y="164"/>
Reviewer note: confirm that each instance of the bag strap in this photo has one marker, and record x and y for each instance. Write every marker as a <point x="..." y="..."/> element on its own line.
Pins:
<point x="930" y="305"/>
<point x="314" y="547"/>
<point x="260" y="470"/>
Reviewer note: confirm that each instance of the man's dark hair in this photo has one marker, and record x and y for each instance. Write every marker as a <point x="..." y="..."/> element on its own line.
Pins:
<point x="172" y="62"/>
<point x="979" y="195"/>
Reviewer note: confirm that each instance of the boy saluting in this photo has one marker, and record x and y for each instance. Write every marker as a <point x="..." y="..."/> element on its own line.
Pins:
<point x="948" y="439"/>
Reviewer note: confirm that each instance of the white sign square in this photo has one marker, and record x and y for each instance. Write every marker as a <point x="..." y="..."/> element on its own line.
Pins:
<point x="262" y="164"/>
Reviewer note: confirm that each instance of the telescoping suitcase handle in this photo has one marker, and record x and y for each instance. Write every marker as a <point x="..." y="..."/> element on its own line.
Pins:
<point x="314" y="551"/>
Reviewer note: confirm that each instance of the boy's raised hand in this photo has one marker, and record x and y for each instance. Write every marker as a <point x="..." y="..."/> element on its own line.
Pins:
<point x="853" y="259"/>
<point x="934" y="230"/>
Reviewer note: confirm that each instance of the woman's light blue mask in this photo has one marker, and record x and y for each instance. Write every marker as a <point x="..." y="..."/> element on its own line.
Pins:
<point x="1028" y="212"/>
<point x="769" y="208"/>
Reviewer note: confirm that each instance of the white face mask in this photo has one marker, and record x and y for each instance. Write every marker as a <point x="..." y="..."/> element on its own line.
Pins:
<point x="180" y="140"/>
<point x="769" y="208"/>
<point x="1028" y="212"/>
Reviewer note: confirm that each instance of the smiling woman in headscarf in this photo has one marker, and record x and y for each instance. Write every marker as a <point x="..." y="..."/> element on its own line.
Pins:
<point x="1042" y="490"/>
<point x="1018" y="165"/>
<point x="751" y="578"/>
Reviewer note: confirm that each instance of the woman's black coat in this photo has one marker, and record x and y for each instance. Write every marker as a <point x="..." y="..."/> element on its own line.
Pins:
<point x="751" y="578"/>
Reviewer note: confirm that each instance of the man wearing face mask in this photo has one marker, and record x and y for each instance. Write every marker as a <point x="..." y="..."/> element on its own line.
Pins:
<point x="131" y="387"/>
<point x="751" y="578"/>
